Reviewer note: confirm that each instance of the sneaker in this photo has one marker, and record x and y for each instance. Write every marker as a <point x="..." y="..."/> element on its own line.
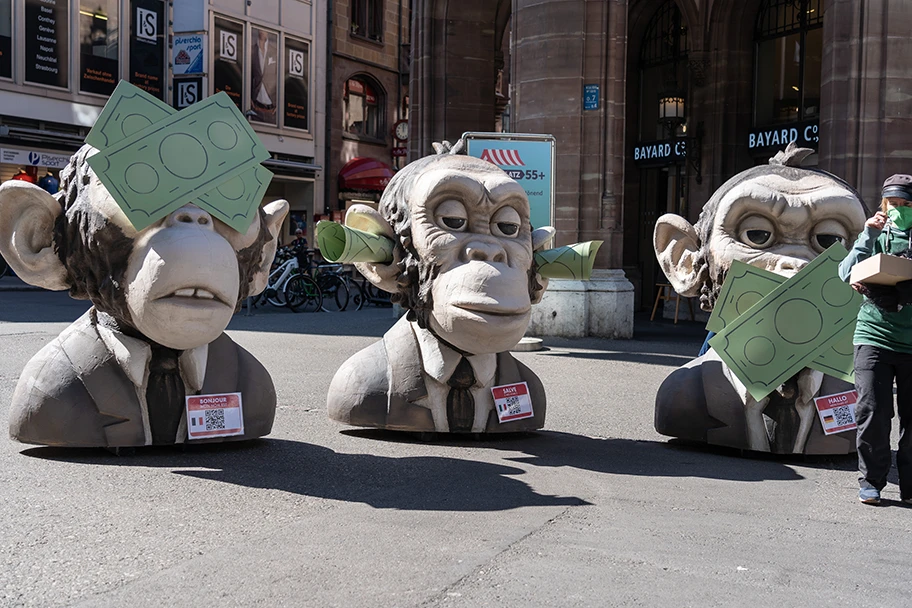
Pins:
<point x="869" y="496"/>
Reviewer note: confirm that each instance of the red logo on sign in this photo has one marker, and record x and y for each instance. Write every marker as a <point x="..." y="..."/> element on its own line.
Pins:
<point x="182" y="58"/>
<point x="503" y="158"/>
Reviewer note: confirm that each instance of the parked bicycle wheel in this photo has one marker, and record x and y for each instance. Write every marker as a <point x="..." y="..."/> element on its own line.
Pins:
<point x="274" y="296"/>
<point x="335" y="293"/>
<point x="357" y="296"/>
<point x="302" y="294"/>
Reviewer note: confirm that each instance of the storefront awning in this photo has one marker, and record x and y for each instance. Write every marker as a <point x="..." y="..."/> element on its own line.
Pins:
<point x="365" y="174"/>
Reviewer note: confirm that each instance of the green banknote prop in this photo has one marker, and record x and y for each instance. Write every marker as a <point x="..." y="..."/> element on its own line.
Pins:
<point x="154" y="160"/>
<point x="344" y="244"/>
<point x="745" y="286"/>
<point x="568" y="262"/>
<point x="805" y="317"/>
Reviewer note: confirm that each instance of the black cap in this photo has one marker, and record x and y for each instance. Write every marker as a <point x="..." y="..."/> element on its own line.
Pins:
<point x="898" y="186"/>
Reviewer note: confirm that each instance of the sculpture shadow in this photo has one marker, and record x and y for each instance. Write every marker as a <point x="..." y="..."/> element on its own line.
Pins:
<point x="618" y="456"/>
<point x="40" y="307"/>
<point x="667" y="360"/>
<point x="430" y="483"/>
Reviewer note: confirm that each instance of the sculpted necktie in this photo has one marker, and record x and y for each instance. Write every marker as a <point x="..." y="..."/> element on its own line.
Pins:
<point x="460" y="403"/>
<point x="164" y="394"/>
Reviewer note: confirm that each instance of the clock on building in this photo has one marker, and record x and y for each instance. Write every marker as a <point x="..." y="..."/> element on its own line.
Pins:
<point x="401" y="130"/>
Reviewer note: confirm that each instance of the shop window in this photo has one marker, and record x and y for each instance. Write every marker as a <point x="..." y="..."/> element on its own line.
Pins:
<point x="663" y="67"/>
<point x="297" y="71"/>
<point x="228" y="74"/>
<point x="98" y="46"/>
<point x="367" y="19"/>
<point x="789" y="52"/>
<point x="264" y="76"/>
<point x="47" y="43"/>
<point x="6" y="38"/>
<point x="361" y="109"/>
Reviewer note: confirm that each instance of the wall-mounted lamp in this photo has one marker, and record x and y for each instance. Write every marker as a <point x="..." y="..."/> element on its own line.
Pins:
<point x="671" y="110"/>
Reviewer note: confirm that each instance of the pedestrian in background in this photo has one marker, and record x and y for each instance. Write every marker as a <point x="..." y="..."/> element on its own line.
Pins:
<point x="883" y="352"/>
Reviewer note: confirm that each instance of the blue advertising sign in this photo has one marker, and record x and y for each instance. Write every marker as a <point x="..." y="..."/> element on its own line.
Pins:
<point x="529" y="159"/>
<point x="590" y="97"/>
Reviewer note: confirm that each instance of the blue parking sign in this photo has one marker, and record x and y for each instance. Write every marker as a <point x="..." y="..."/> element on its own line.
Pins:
<point x="590" y="97"/>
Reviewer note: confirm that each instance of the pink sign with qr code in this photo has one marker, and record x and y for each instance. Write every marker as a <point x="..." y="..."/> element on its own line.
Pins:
<point x="512" y="402"/>
<point x="214" y="416"/>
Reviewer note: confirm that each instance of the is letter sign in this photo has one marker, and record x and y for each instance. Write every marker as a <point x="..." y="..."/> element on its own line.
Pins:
<point x="296" y="63"/>
<point x="146" y="24"/>
<point x="228" y="46"/>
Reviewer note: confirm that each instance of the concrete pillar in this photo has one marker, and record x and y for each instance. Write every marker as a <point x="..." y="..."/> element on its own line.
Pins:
<point x="866" y="92"/>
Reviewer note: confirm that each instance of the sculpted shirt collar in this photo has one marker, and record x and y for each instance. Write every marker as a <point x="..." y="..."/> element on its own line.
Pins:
<point x="133" y="354"/>
<point x="439" y="360"/>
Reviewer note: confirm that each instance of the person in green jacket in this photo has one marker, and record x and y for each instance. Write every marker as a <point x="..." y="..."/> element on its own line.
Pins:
<point x="883" y="352"/>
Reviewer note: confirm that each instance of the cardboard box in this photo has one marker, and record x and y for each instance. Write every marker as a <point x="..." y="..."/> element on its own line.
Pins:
<point x="882" y="269"/>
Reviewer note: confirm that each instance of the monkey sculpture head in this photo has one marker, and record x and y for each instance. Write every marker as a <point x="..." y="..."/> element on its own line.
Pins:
<point x="463" y="265"/>
<point x="177" y="282"/>
<point x="777" y="217"/>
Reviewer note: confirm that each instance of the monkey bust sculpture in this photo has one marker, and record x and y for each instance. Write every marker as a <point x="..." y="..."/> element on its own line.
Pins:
<point x="463" y="269"/>
<point x="777" y="217"/>
<point x="162" y="297"/>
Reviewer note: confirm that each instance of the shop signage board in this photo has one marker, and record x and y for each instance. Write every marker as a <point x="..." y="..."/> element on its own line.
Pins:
<point x="188" y="54"/>
<point x="47" y="42"/>
<point x="147" y="46"/>
<point x="35" y="158"/>
<point x="805" y="134"/>
<point x="227" y="71"/>
<point x="527" y="158"/>
<point x="187" y="91"/>
<point x="6" y="39"/>
<point x="297" y="69"/>
<point x="659" y="153"/>
<point x="591" y="94"/>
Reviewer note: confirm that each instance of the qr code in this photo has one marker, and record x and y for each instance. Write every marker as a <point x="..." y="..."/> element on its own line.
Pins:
<point x="513" y="406"/>
<point x="215" y="419"/>
<point x="843" y="415"/>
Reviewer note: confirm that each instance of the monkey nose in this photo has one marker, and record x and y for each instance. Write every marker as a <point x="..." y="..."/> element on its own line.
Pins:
<point x="485" y="252"/>
<point x="189" y="214"/>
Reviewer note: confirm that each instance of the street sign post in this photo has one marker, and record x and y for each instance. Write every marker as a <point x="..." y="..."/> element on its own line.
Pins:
<point x="527" y="158"/>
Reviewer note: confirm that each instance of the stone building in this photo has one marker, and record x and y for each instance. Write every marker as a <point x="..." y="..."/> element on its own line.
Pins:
<point x="367" y="100"/>
<point x="690" y="93"/>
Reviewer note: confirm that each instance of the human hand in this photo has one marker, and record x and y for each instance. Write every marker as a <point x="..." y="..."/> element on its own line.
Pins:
<point x="857" y="287"/>
<point x="878" y="221"/>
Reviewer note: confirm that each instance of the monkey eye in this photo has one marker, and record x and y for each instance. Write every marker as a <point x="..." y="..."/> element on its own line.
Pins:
<point x="826" y="240"/>
<point x="507" y="228"/>
<point x="758" y="237"/>
<point x="506" y="222"/>
<point x="451" y="215"/>
<point x="455" y="223"/>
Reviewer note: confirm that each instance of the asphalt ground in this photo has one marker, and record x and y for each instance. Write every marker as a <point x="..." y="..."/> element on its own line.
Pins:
<point x="595" y="510"/>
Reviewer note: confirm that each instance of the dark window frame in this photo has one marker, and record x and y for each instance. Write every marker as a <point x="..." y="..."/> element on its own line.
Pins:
<point x="773" y="23"/>
<point x="367" y="20"/>
<point x="379" y="107"/>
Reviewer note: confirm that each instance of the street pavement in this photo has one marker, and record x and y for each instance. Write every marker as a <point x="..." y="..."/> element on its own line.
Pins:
<point x="596" y="510"/>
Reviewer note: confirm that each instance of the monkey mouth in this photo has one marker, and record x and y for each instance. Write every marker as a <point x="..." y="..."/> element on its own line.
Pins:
<point x="493" y="310"/>
<point x="194" y="295"/>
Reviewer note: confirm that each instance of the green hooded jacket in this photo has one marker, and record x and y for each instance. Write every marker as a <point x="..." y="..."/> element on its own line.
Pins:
<point x="888" y="330"/>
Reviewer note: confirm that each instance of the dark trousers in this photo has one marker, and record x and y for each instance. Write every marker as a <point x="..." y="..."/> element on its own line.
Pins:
<point x="875" y="370"/>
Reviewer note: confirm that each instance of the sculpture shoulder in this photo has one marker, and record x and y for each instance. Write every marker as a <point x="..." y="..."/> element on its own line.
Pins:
<point x="359" y="392"/>
<point x="232" y="368"/>
<point x="51" y="405"/>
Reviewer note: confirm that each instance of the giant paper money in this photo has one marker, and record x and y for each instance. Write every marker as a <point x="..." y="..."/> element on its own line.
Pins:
<point x="343" y="244"/>
<point x="568" y="262"/>
<point x="206" y="154"/>
<point x="798" y="321"/>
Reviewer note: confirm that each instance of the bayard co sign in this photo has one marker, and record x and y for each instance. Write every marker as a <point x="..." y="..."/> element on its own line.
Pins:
<point x="660" y="153"/>
<point x="805" y="134"/>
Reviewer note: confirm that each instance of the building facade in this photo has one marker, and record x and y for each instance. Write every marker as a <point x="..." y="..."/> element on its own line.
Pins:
<point x="689" y="93"/>
<point x="367" y="99"/>
<point x="61" y="59"/>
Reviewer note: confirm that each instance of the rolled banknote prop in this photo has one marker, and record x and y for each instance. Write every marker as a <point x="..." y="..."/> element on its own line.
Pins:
<point x="568" y="262"/>
<point x="342" y="244"/>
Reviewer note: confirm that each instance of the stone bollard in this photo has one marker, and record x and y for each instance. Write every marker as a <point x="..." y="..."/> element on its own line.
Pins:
<point x="602" y="306"/>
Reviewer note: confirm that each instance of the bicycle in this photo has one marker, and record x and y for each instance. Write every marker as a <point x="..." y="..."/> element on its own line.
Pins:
<point x="288" y="286"/>
<point x="332" y="285"/>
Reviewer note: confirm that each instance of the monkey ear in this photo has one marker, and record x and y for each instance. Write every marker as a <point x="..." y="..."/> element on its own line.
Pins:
<point x="27" y="217"/>
<point x="677" y="248"/>
<point x="275" y="213"/>
<point x="382" y="275"/>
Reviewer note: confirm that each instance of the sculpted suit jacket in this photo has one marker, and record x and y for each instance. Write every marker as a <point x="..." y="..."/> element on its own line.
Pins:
<point x="378" y="387"/>
<point x="697" y="402"/>
<point x="74" y="392"/>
